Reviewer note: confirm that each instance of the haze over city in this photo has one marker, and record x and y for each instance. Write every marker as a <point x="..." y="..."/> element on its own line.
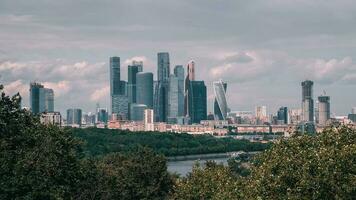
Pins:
<point x="261" y="49"/>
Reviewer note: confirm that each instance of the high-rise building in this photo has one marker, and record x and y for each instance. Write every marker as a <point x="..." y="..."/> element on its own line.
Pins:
<point x="173" y="98"/>
<point x="41" y="99"/>
<point x="144" y="89"/>
<point x="102" y="115"/>
<point x="119" y="100"/>
<point x="137" y="111"/>
<point x="74" y="117"/>
<point x="179" y="73"/>
<point x="295" y="116"/>
<point x="190" y="77"/>
<point x="282" y="115"/>
<point x="323" y="109"/>
<point x="261" y="114"/>
<point x="133" y="69"/>
<point x="307" y="101"/>
<point x="220" y="103"/>
<point x="115" y="85"/>
<point x="161" y="95"/>
<point x="197" y="101"/>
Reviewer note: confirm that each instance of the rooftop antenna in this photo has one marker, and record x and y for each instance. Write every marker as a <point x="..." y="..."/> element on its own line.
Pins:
<point x="324" y="93"/>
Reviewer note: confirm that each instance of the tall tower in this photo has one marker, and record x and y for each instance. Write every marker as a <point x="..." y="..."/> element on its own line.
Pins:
<point x="133" y="69"/>
<point x="161" y="96"/>
<point x="197" y="101"/>
<point x="179" y="73"/>
<point x="323" y="109"/>
<point x="307" y="101"/>
<point x="220" y="103"/>
<point x="144" y="90"/>
<point x="190" y="77"/>
<point x="41" y="98"/>
<point x="119" y="100"/>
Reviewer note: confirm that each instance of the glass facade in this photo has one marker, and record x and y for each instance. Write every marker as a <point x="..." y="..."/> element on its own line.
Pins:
<point x="307" y="101"/>
<point x="220" y="103"/>
<point x="144" y="91"/>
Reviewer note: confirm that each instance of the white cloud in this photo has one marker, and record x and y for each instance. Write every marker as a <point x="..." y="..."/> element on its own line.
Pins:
<point x="60" y="88"/>
<point x="100" y="94"/>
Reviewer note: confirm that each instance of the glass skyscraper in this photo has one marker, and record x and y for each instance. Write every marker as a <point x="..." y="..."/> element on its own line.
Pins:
<point x="197" y="105"/>
<point x="190" y="77"/>
<point x="119" y="100"/>
<point x="282" y="115"/>
<point x="41" y="99"/>
<point x="144" y="89"/>
<point x="307" y="101"/>
<point x="179" y="73"/>
<point x="161" y="95"/>
<point x="220" y="103"/>
<point x="133" y="69"/>
<point x="74" y="117"/>
<point x="173" y="96"/>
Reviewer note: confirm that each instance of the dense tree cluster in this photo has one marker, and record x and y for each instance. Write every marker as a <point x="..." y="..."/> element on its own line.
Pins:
<point x="47" y="162"/>
<point x="103" y="141"/>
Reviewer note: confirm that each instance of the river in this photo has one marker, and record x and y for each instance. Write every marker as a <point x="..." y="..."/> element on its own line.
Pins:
<point x="185" y="166"/>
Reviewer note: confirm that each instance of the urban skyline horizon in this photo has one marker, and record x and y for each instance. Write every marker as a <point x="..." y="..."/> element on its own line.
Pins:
<point x="210" y="98"/>
<point x="262" y="49"/>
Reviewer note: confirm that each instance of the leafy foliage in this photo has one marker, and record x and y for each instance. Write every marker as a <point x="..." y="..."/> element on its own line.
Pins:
<point x="212" y="181"/>
<point x="307" y="167"/>
<point x="104" y="141"/>
<point x="45" y="162"/>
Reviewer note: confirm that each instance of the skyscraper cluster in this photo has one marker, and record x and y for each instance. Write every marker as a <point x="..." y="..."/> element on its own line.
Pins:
<point x="170" y="96"/>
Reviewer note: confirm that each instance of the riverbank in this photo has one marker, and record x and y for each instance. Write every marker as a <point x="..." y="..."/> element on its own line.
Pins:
<point x="207" y="156"/>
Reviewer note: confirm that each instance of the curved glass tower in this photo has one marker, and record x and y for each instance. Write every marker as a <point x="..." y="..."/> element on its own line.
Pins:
<point x="220" y="103"/>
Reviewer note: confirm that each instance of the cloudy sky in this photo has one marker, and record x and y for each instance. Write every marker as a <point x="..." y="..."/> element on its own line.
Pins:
<point x="263" y="49"/>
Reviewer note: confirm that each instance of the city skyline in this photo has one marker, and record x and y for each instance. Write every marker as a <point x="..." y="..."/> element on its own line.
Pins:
<point x="71" y="56"/>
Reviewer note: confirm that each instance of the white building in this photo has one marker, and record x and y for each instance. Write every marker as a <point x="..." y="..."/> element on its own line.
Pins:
<point x="53" y="118"/>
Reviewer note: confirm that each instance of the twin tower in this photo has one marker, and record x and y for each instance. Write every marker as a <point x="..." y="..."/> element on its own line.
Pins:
<point x="175" y="98"/>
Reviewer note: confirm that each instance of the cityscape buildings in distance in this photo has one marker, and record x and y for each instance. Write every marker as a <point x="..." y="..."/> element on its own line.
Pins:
<point x="176" y="97"/>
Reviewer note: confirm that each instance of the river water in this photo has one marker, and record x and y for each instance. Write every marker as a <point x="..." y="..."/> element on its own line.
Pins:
<point x="184" y="167"/>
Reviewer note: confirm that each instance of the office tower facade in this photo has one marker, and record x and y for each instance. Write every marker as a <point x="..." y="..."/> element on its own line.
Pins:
<point x="220" y="103"/>
<point x="163" y="71"/>
<point x="323" y="110"/>
<point x="173" y="98"/>
<point x="282" y="115"/>
<point x="197" y="101"/>
<point x="102" y="115"/>
<point x="307" y="101"/>
<point x="74" y="117"/>
<point x="190" y="77"/>
<point x="133" y="69"/>
<point x="119" y="99"/>
<point x="144" y="89"/>
<point x="261" y="114"/>
<point x="41" y="98"/>
<point x="179" y="73"/>
<point x="137" y="111"/>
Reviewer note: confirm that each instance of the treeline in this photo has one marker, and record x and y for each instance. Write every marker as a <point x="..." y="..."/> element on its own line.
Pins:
<point x="104" y="141"/>
<point x="47" y="162"/>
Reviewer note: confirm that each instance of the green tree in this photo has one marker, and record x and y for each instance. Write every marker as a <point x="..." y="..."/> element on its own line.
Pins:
<point x="307" y="167"/>
<point x="212" y="181"/>
<point x="140" y="174"/>
<point x="36" y="161"/>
